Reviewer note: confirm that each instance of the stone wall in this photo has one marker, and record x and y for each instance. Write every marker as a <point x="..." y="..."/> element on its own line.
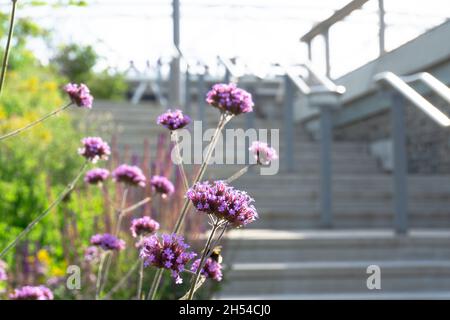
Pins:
<point x="428" y="144"/>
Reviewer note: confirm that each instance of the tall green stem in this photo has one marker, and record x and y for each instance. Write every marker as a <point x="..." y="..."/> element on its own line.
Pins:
<point x="60" y="197"/>
<point x="32" y="124"/>
<point x="202" y="260"/>
<point x="8" y="45"/>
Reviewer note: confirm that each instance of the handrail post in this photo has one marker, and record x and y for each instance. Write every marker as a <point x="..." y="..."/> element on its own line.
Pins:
<point x="400" y="163"/>
<point x="326" y="141"/>
<point x="327" y="101"/>
<point x="187" y="92"/>
<point x="227" y="76"/>
<point x="201" y="90"/>
<point x="288" y="118"/>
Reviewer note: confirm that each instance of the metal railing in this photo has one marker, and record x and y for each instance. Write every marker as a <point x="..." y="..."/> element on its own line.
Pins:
<point x="402" y="92"/>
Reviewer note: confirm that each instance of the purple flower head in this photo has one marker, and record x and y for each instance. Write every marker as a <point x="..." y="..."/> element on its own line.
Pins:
<point x="131" y="175"/>
<point x="79" y="94"/>
<point x="212" y="269"/>
<point x="94" y="149"/>
<point x="96" y="176"/>
<point x="107" y="241"/>
<point x="173" y="120"/>
<point x="91" y="254"/>
<point x="32" y="293"/>
<point x="228" y="97"/>
<point x="263" y="153"/>
<point x="224" y="202"/>
<point x="168" y="252"/>
<point x="143" y="226"/>
<point x="162" y="185"/>
<point x="3" y="274"/>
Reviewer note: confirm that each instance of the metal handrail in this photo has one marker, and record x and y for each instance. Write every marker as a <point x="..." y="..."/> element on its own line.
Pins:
<point x="416" y="98"/>
<point x="323" y="80"/>
<point x="433" y="83"/>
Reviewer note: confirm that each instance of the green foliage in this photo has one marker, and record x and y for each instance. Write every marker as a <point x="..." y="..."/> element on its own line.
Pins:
<point x="108" y="86"/>
<point x="76" y="62"/>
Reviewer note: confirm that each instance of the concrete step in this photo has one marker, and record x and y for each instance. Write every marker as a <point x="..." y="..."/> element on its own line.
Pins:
<point x="336" y="277"/>
<point x="371" y="295"/>
<point x="247" y="245"/>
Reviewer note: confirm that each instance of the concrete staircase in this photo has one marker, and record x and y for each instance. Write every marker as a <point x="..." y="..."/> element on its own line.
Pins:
<point x="285" y="254"/>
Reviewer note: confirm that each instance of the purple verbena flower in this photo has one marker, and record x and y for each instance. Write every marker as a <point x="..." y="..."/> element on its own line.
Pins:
<point x="96" y="176"/>
<point x="228" y="97"/>
<point x="131" y="175"/>
<point x="107" y="241"/>
<point x="32" y="293"/>
<point x="212" y="269"/>
<point x="168" y="252"/>
<point x="143" y="226"/>
<point x="263" y="153"/>
<point x="3" y="274"/>
<point x="79" y="94"/>
<point x="224" y="202"/>
<point x="94" y="149"/>
<point x="162" y="185"/>
<point x="173" y="120"/>
<point x="91" y="254"/>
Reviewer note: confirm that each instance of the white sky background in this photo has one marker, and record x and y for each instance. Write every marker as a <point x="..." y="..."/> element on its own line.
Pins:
<point x="257" y="30"/>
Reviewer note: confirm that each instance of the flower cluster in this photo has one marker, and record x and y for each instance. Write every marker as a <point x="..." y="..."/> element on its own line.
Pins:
<point x="107" y="241"/>
<point x="162" y="185"/>
<point x="173" y="120"/>
<point x="96" y="176"/>
<point x="79" y="94"/>
<point x="143" y="226"/>
<point x="3" y="274"/>
<point x="224" y="202"/>
<point x="169" y="252"/>
<point x="228" y="97"/>
<point x="212" y="269"/>
<point x="91" y="254"/>
<point x="32" y="293"/>
<point x="263" y="153"/>
<point x="94" y="149"/>
<point x="131" y="175"/>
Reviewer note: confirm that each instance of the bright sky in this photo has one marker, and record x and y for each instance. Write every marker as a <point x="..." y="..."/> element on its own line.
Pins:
<point x="257" y="30"/>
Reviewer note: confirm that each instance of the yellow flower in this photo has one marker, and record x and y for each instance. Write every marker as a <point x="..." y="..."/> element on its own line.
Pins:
<point x="57" y="271"/>
<point x="43" y="257"/>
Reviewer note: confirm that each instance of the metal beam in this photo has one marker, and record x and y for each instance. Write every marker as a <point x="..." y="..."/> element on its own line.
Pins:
<point x="335" y="17"/>
<point x="382" y="27"/>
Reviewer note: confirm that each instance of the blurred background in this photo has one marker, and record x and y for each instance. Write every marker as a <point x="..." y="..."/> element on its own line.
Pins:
<point x="357" y="89"/>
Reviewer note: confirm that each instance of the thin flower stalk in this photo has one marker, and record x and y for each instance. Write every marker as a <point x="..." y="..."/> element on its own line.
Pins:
<point x="60" y="198"/>
<point x="141" y="277"/>
<point x="239" y="173"/>
<point x="116" y="233"/>
<point x="121" y="282"/>
<point x="8" y="45"/>
<point x="99" y="274"/>
<point x="223" y="120"/>
<point x="215" y="227"/>
<point x="38" y="121"/>
<point x="155" y="284"/>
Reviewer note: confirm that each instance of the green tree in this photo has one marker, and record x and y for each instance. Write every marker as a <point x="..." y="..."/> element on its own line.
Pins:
<point x="76" y="62"/>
